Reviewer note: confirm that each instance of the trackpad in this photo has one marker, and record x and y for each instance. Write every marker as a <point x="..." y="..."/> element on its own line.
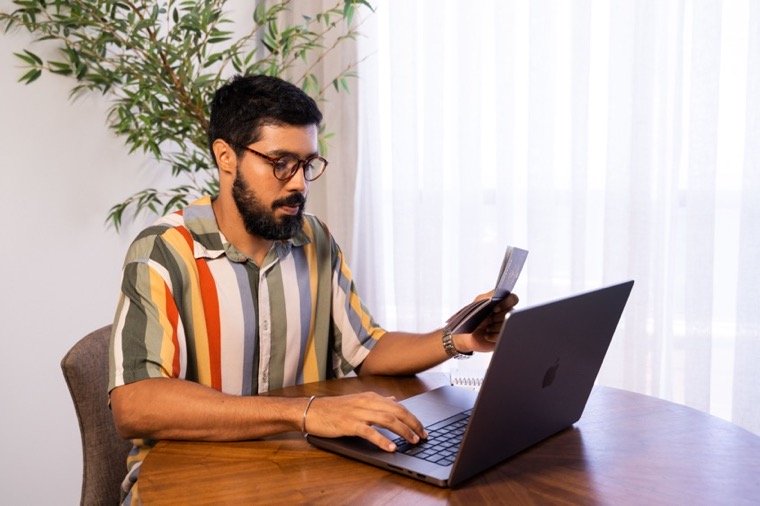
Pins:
<point x="439" y="404"/>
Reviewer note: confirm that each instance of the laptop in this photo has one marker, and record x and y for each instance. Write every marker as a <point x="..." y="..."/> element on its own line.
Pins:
<point x="537" y="384"/>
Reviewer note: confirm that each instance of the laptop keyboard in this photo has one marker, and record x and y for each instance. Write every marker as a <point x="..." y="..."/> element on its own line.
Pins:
<point x="442" y="443"/>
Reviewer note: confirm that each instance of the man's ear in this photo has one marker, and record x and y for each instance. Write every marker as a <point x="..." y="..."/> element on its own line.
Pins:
<point x="226" y="159"/>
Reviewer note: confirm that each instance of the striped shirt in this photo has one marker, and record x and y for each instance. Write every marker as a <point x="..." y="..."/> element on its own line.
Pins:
<point x="194" y="307"/>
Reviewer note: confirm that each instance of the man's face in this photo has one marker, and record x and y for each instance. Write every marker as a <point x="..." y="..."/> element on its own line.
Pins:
<point x="270" y="208"/>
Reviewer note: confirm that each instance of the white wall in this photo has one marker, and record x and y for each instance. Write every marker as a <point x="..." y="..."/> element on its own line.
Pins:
<point x="60" y="171"/>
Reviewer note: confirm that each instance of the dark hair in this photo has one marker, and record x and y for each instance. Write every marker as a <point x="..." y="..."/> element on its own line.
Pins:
<point x="246" y="103"/>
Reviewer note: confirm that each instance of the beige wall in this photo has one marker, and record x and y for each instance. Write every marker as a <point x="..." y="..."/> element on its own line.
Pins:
<point x="60" y="171"/>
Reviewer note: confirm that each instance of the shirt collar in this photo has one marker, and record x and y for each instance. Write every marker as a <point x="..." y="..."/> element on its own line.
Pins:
<point x="209" y="242"/>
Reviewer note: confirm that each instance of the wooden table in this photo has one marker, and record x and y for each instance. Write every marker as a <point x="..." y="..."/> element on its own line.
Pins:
<point x="626" y="449"/>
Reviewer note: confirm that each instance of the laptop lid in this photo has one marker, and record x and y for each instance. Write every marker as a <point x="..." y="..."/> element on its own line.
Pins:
<point x="537" y="384"/>
<point x="540" y="376"/>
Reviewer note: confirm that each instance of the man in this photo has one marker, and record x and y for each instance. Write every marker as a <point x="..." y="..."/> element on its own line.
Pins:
<point x="244" y="293"/>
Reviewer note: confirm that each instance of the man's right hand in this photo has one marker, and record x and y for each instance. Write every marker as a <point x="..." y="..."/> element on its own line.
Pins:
<point x="355" y="415"/>
<point x="170" y="408"/>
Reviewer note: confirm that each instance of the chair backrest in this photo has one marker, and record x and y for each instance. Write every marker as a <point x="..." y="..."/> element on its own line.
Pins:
<point x="104" y="453"/>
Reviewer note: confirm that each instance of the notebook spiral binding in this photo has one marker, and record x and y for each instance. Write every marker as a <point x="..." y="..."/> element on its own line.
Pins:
<point x="466" y="381"/>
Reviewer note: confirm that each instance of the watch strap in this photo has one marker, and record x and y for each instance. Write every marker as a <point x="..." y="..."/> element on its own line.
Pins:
<point x="449" y="348"/>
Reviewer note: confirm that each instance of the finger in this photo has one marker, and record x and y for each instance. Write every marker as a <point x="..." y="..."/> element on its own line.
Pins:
<point x="496" y="318"/>
<point x="373" y="409"/>
<point x="493" y="337"/>
<point x="389" y="414"/>
<point x="495" y="328"/>
<point x="374" y="437"/>
<point x="405" y="424"/>
<point x="506" y="304"/>
<point x="407" y="418"/>
<point x="366" y="429"/>
<point x="400" y="420"/>
<point x="491" y="324"/>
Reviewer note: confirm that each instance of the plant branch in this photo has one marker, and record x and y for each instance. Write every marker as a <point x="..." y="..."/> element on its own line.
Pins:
<point x="159" y="64"/>
<point x="328" y="51"/>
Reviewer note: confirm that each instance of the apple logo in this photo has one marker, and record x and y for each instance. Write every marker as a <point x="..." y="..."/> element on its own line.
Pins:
<point x="551" y="373"/>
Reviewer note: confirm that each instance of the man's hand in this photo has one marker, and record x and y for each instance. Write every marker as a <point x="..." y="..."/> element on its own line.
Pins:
<point x="484" y="337"/>
<point x="355" y="415"/>
<point x="170" y="408"/>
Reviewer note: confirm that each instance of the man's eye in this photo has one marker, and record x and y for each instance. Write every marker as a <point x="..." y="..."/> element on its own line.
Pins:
<point x="283" y="164"/>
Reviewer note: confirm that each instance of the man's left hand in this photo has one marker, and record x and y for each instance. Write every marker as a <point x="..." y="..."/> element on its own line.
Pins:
<point x="485" y="336"/>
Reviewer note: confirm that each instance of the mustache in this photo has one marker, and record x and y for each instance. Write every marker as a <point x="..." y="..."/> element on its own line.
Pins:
<point x="294" y="200"/>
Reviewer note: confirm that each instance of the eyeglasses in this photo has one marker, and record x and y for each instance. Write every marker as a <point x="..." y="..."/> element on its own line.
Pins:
<point x="285" y="167"/>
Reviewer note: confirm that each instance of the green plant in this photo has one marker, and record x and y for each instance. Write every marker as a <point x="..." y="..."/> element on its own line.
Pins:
<point x="159" y="63"/>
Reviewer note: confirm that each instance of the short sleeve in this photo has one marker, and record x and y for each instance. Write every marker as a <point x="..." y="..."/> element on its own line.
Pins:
<point x="146" y="331"/>
<point x="355" y="331"/>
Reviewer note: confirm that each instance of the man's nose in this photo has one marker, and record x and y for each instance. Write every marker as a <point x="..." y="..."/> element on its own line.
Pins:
<point x="298" y="181"/>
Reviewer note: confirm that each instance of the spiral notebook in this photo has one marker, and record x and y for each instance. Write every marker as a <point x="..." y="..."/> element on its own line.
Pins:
<point x="469" y="373"/>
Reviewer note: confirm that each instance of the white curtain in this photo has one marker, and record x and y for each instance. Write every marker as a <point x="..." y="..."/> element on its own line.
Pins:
<point x="614" y="140"/>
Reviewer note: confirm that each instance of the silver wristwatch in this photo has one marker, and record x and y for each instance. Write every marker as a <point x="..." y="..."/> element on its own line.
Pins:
<point x="449" y="348"/>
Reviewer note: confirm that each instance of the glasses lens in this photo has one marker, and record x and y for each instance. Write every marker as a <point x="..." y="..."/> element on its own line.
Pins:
<point x="285" y="167"/>
<point x="314" y="168"/>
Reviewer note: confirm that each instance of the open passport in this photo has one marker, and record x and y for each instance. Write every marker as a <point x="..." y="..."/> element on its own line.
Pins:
<point x="469" y="317"/>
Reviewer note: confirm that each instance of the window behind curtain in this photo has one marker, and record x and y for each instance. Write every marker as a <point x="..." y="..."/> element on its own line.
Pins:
<point x="612" y="141"/>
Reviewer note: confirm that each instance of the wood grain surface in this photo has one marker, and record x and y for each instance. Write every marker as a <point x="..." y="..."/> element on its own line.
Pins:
<point x="626" y="449"/>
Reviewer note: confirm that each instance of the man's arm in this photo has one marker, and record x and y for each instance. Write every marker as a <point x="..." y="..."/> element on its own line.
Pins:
<point x="410" y="353"/>
<point x="167" y="408"/>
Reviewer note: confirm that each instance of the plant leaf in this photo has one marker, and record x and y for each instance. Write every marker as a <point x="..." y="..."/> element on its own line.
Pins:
<point x="157" y="64"/>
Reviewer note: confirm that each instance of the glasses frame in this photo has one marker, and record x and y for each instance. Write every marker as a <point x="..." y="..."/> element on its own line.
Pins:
<point x="301" y="164"/>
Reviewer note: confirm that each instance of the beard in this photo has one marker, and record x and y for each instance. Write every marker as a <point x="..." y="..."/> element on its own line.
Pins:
<point x="261" y="221"/>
